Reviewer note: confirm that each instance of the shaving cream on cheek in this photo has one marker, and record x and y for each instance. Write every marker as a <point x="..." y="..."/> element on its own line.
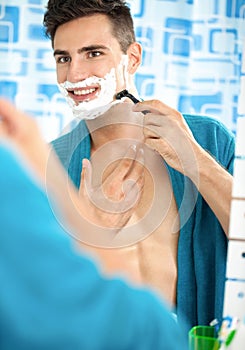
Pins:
<point x="91" y="109"/>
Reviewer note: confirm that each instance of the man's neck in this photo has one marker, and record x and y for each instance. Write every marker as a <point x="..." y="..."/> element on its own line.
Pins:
<point x="118" y="123"/>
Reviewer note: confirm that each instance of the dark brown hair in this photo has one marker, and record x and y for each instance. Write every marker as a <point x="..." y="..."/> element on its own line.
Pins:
<point x="61" y="11"/>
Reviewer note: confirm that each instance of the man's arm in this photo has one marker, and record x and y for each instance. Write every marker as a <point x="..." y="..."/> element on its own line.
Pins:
<point x="215" y="185"/>
<point x="167" y="132"/>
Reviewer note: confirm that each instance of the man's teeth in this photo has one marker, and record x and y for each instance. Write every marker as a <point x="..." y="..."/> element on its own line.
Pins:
<point x="83" y="92"/>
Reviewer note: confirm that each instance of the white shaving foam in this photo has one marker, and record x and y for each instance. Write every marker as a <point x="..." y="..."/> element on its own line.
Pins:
<point x="104" y="100"/>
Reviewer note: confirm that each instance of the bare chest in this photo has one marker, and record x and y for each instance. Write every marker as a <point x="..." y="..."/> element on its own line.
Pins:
<point x="151" y="261"/>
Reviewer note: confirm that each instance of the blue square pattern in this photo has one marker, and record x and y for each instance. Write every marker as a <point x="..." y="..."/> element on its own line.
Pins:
<point x="137" y="8"/>
<point x="179" y="41"/>
<point x="189" y="2"/>
<point x="223" y="41"/>
<point x="35" y="2"/>
<point x="145" y="84"/>
<point x="39" y="6"/>
<point x="8" y="89"/>
<point x="49" y="90"/>
<point x="35" y="10"/>
<point x="235" y="113"/>
<point x="197" y="42"/>
<point x="36" y="32"/>
<point x="189" y="102"/>
<point x="45" y="61"/>
<point x="235" y="8"/>
<point x="9" y="23"/>
<point x="18" y="59"/>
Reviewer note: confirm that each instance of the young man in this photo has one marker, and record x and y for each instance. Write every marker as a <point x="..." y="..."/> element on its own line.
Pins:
<point x="51" y="296"/>
<point x="181" y="248"/>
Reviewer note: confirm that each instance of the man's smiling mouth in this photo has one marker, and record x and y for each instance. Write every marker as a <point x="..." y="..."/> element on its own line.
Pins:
<point x="83" y="94"/>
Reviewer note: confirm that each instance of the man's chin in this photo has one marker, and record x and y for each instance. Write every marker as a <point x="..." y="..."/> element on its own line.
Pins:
<point x="88" y="111"/>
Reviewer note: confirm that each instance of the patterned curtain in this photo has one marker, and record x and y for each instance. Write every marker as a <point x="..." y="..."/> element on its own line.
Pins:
<point x="193" y="60"/>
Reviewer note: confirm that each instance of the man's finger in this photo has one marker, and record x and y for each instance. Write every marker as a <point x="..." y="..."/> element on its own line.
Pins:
<point x="155" y="107"/>
<point x="8" y="112"/>
<point x="86" y="177"/>
<point x="124" y="166"/>
<point x="137" y="167"/>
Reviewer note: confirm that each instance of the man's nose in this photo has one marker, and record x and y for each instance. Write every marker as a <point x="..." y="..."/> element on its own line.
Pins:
<point x="78" y="70"/>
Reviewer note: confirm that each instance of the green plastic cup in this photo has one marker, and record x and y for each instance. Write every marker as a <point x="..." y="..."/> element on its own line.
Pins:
<point x="203" y="338"/>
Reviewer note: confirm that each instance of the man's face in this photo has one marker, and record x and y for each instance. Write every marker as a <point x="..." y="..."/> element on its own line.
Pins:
<point x="89" y="62"/>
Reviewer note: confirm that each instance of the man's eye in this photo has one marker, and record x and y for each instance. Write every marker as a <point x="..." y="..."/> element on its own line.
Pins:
<point x="63" y="59"/>
<point x="93" y="54"/>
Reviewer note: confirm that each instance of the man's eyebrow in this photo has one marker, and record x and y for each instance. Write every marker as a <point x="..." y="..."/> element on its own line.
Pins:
<point x="60" y="52"/>
<point x="92" y="48"/>
<point x="83" y="49"/>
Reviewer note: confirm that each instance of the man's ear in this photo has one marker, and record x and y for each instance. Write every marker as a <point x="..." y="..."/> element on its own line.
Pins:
<point x="134" y="53"/>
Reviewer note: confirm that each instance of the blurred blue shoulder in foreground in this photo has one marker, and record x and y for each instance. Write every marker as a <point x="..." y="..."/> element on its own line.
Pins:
<point x="53" y="298"/>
